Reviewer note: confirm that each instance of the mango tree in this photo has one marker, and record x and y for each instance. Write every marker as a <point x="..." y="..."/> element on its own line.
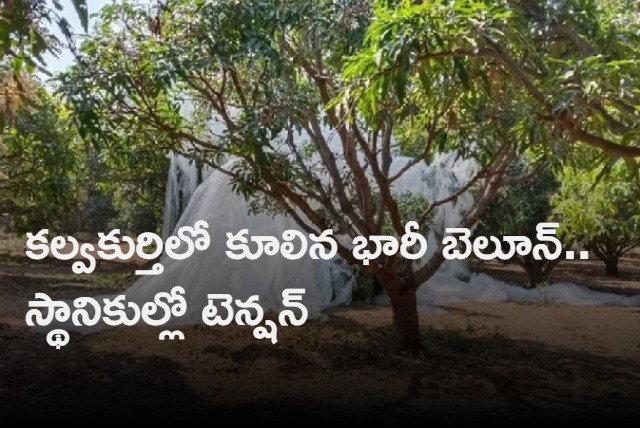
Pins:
<point x="359" y="85"/>
<point x="602" y="213"/>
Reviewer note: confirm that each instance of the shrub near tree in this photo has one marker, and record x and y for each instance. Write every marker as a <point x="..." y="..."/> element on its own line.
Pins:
<point x="600" y="211"/>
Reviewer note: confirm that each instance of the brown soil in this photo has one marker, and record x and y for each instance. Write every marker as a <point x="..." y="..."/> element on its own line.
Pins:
<point x="500" y="362"/>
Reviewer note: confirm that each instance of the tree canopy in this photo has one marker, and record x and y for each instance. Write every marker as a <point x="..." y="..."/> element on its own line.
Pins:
<point x="601" y="213"/>
<point x="563" y="72"/>
<point x="42" y="167"/>
<point x="24" y="36"/>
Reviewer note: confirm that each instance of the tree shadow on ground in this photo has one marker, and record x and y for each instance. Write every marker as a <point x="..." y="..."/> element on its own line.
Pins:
<point x="37" y="380"/>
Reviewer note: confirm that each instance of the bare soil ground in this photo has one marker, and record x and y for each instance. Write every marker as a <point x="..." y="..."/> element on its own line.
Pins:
<point x="483" y="362"/>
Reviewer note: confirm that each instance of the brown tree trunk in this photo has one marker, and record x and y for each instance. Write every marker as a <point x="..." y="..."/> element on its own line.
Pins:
<point x="534" y="269"/>
<point x="609" y="256"/>
<point x="406" y="325"/>
<point x="611" y="266"/>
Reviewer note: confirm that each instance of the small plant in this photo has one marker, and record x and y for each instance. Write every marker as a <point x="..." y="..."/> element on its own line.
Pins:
<point x="543" y="289"/>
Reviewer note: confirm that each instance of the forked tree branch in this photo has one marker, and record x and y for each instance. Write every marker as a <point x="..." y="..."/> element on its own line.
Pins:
<point x="488" y="194"/>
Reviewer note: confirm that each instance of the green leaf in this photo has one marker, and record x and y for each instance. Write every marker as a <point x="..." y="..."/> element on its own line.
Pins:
<point x="83" y="13"/>
<point x="462" y="71"/>
<point x="400" y="84"/>
<point x="424" y="77"/>
<point x="378" y="57"/>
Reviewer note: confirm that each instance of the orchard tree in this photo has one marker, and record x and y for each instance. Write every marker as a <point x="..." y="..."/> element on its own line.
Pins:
<point x="517" y="212"/>
<point x="126" y="187"/>
<point x="549" y="76"/>
<point x="40" y="154"/>
<point x="125" y="192"/>
<point x="602" y="213"/>
<point x="264" y="71"/>
<point x="267" y="74"/>
<point x="42" y="167"/>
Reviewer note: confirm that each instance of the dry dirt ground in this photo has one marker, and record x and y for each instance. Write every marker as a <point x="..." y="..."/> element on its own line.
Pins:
<point x="483" y="362"/>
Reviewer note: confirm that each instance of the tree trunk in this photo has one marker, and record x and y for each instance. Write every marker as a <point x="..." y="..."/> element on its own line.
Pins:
<point x="406" y="325"/>
<point x="611" y="266"/>
<point x="609" y="255"/>
<point x="534" y="270"/>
